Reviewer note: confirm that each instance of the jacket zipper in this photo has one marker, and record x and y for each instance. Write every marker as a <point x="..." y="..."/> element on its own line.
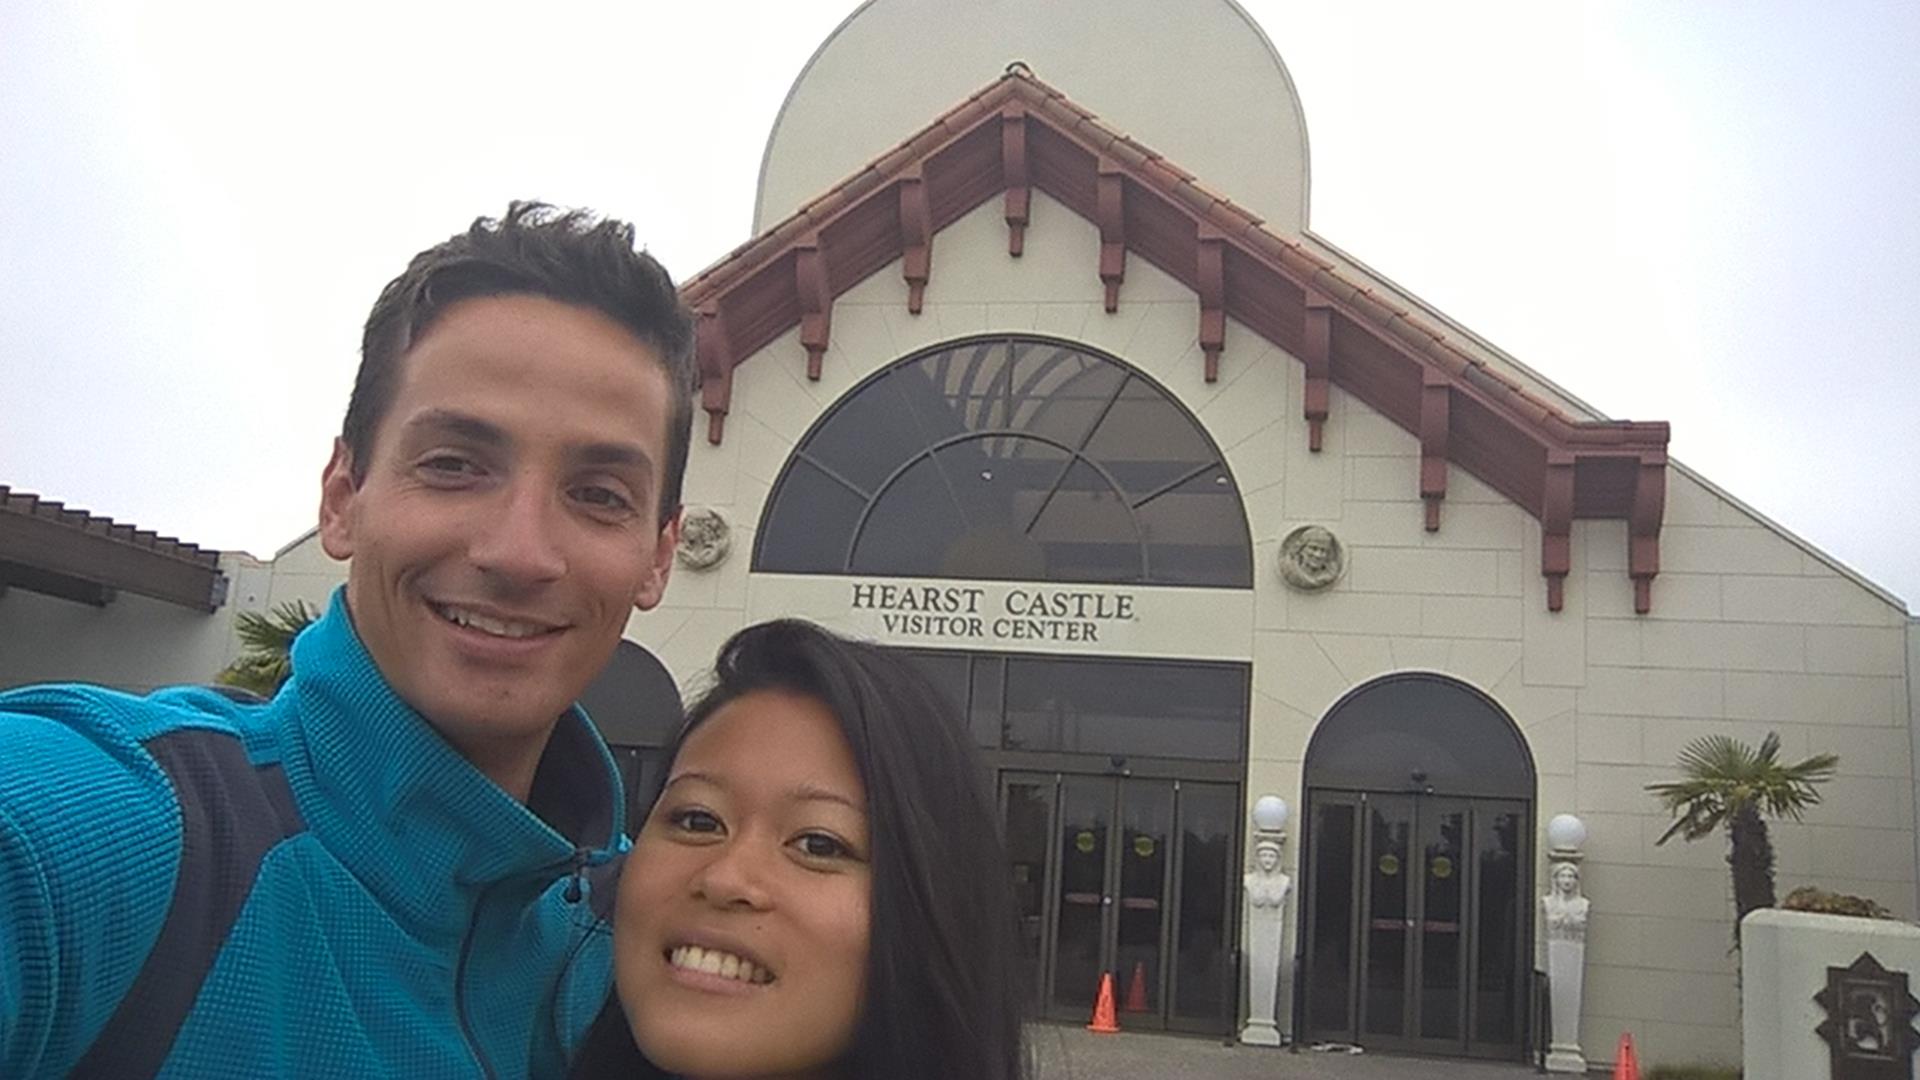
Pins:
<point x="460" y="987"/>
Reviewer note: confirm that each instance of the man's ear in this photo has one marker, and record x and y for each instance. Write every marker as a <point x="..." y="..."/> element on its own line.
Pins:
<point x="337" y="489"/>
<point x="654" y="586"/>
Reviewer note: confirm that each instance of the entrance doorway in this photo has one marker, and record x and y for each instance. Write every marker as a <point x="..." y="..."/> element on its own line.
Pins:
<point x="1416" y="929"/>
<point x="1129" y="876"/>
<point x="1411" y="942"/>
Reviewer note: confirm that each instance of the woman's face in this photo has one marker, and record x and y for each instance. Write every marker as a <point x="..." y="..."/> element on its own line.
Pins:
<point x="740" y="938"/>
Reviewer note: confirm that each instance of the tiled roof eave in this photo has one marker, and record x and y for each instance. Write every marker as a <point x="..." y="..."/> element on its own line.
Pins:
<point x="73" y="553"/>
<point x="1018" y="133"/>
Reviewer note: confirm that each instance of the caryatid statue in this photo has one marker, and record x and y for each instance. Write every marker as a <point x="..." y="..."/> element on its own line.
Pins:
<point x="1267" y="887"/>
<point x="1563" y="915"/>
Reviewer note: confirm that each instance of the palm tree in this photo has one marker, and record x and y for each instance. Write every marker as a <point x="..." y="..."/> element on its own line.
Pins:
<point x="1725" y="782"/>
<point x="266" y="647"/>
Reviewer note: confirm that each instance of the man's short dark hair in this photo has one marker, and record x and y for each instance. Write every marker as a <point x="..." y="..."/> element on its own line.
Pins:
<point x="572" y="256"/>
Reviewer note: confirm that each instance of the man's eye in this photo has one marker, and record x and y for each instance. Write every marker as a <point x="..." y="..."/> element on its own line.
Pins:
<point x="449" y="465"/>
<point x="821" y="846"/>
<point x="602" y="498"/>
<point x="694" y="820"/>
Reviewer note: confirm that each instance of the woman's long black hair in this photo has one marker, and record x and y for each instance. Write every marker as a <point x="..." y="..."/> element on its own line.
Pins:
<point x="945" y="996"/>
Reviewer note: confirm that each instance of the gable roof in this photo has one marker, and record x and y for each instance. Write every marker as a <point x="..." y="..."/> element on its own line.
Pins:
<point x="1017" y="134"/>
<point x="48" y="547"/>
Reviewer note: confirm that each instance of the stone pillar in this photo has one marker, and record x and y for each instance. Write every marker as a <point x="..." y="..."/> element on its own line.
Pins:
<point x="1564" y="918"/>
<point x="1267" y="888"/>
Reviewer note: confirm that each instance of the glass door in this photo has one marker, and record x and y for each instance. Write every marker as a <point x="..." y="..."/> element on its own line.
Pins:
<point x="1129" y="877"/>
<point x="1414" y="924"/>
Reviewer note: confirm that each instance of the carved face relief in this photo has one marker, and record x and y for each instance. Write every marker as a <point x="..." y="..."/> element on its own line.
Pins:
<point x="1566" y="880"/>
<point x="705" y="538"/>
<point x="1268" y="857"/>
<point x="1311" y="558"/>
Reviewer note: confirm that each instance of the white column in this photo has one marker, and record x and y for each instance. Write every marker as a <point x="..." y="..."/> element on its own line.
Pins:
<point x="1564" y="918"/>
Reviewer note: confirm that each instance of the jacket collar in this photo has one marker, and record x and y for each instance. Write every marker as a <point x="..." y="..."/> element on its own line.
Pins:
<point x="406" y="813"/>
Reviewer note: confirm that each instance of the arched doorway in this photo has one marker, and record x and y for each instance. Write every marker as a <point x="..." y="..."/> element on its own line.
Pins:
<point x="1416" y="923"/>
<point x="1021" y="459"/>
<point x="636" y="706"/>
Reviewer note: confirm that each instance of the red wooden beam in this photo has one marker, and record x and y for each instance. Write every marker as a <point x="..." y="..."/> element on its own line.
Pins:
<point x="1317" y="357"/>
<point x="1643" y="528"/>
<point x="816" y="301"/>
<point x="916" y="237"/>
<point x="1556" y="527"/>
<point x="715" y="357"/>
<point x="1110" y="210"/>
<point x="1013" y="170"/>
<point x="1212" y="277"/>
<point x="1436" y="397"/>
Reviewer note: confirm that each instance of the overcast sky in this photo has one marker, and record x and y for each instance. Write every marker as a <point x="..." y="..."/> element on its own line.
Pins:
<point x="1706" y="213"/>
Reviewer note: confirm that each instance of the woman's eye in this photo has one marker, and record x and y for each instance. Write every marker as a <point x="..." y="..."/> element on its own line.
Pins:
<point x="693" y="820"/>
<point x="821" y="846"/>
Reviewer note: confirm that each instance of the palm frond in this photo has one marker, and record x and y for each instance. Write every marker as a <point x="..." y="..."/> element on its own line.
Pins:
<point x="266" y="641"/>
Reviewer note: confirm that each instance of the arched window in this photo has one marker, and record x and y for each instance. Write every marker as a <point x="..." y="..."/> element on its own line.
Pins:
<point x="1010" y="458"/>
<point x="1420" y="732"/>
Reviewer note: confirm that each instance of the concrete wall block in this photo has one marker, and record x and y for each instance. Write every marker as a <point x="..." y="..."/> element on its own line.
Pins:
<point x="1402" y="523"/>
<point x="1603" y="546"/>
<point x="1392" y="480"/>
<point x="1513" y="569"/>
<point x="1358" y="657"/>
<point x="1248" y="405"/>
<point x="1865" y="751"/>
<point x="1292" y="669"/>
<point x="1063" y="319"/>
<point x="1724" y="646"/>
<point x="1613" y="642"/>
<point x="1556" y="641"/>
<point x="1267" y="518"/>
<point x="1675" y="596"/>
<point x="1343" y="612"/>
<point x="1817" y="699"/>
<point x="1698" y="999"/>
<point x="1471" y="617"/>
<point x="1421" y="571"/>
<point x="1012" y="317"/>
<point x="1698" y="945"/>
<point x="1713" y="550"/>
<point x="957" y="321"/>
<point x="1875" y="802"/>
<point x="1678" y="892"/>
<point x="1665" y="737"/>
<point x="1706" y="853"/>
<point x="1370" y="434"/>
<point x="1860" y="854"/>
<point x="1316" y="482"/>
<point x="1484" y="664"/>
<point x="1691" y="503"/>
<point x="1610" y="740"/>
<point x="1420" y="653"/>
<point x="1278" y="732"/>
<point x="1554" y="745"/>
<point x="1613" y="940"/>
<point x="761" y="452"/>
<point x="1857" y="650"/>
<point x="1612" y="839"/>
<point x="1651" y="692"/>
<point x="1620" y="789"/>
<point x="1259" y="461"/>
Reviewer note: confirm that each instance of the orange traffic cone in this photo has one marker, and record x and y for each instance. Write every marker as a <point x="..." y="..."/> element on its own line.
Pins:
<point x="1626" y="1065"/>
<point x="1103" y="1021"/>
<point x="1137" y="988"/>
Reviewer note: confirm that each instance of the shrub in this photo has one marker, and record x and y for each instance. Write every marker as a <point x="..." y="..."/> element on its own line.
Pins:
<point x="1809" y="898"/>
<point x="1693" y="1072"/>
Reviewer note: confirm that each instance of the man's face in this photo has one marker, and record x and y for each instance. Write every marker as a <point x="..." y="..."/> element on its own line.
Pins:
<point x="508" y="521"/>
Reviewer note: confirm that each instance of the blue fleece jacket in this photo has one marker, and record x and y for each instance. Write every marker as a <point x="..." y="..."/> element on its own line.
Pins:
<point x="318" y="886"/>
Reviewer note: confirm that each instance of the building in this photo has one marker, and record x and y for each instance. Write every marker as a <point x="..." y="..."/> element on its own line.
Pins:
<point x="1190" y="506"/>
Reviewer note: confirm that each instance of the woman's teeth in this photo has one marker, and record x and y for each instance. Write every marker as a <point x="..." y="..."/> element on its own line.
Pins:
<point x="714" y="962"/>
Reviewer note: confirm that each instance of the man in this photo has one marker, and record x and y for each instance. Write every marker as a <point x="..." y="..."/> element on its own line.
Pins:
<point x="381" y="872"/>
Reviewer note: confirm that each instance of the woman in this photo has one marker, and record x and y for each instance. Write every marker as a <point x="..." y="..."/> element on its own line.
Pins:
<point x="820" y="888"/>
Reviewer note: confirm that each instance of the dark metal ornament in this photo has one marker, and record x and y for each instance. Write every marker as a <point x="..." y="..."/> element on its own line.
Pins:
<point x="1869" y="1024"/>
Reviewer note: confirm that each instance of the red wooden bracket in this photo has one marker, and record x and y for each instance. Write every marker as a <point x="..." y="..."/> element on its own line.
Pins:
<point x="714" y="355"/>
<point x="816" y="301"/>
<point x="916" y="237"/>
<point x="1556" y="527"/>
<point x="1110" y="209"/>
<point x="1436" y="399"/>
<point x="1013" y="172"/>
<point x="1316" y="346"/>
<point x="1212" y="276"/>
<point x="1643" y="528"/>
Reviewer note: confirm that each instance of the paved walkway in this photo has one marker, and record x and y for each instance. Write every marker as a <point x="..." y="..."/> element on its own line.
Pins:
<point x="1069" y="1053"/>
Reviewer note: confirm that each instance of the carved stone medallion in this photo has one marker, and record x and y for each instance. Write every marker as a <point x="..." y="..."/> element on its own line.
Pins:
<point x="705" y="538"/>
<point x="1311" y="558"/>
<point x="1869" y="1021"/>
